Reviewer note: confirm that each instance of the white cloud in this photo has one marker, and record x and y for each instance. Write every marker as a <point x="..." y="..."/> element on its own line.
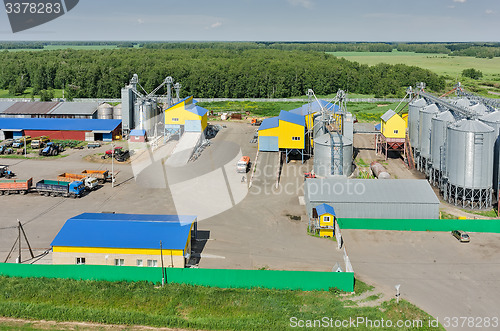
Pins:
<point x="489" y="12"/>
<point x="303" y="3"/>
<point x="214" y="25"/>
<point x="140" y="21"/>
<point x="461" y="1"/>
<point x="451" y="7"/>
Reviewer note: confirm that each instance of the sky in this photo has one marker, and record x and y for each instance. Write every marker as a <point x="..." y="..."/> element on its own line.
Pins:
<point x="271" y="20"/>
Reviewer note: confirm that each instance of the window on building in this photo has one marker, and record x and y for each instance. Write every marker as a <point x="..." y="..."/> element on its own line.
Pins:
<point x="139" y="263"/>
<point x="80" y="260"/>
<point x="175" y="119"/>
<point x="152" y="263"/>
<point x="119" y="262"/>
<point x="326" y="219"/>
<point x="296" y="138"/>
<point x="396" y="131"/>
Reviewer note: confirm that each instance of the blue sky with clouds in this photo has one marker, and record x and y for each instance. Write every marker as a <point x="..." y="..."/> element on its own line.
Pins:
<point x="271" y="20"/>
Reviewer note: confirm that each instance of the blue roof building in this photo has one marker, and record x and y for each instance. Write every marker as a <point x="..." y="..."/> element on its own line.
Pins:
<point x="125" y="239"/>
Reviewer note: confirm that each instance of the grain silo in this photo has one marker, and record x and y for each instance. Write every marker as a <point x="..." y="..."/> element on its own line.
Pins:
<point x="117" y="112"/>
<point x="469" y="164"/>
<point x="105" y="112"/>
<point x="413" y="118"/>
<point x="332" y="155"/>
<point x="493" y="120"/>
<point x="439" y="124"/>
<point x="424" y="136"/>
<point x="479" y="109"/>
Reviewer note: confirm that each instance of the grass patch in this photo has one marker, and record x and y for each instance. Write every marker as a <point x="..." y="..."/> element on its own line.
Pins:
<point x="361" y="163"/>
<point x="179" y="306"/>
<point x="16" y="156"/>
<point x="445" y="216"/>
<point x="487" y="213"/>
<point x="27" y="94"/>
<point x="262" y="109"/>
<point x="361" y="287"/>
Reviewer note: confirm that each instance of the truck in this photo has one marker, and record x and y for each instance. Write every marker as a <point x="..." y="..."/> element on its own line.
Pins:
<point x="5" y="172"/>
<point x="89" y="182"/>
<point x="39" y="142"/>
<point x="101" y="175"/>
<point x="57" y="188"/>
<point x="15" y="186"/>
<point x="18" y="143"/>
<point x="243" y="164"/>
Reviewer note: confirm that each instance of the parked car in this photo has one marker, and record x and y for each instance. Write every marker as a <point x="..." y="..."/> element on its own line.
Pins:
<point x="461" y="236"/>
<point x="243" y="164"/>
<point x="93" y="145"/>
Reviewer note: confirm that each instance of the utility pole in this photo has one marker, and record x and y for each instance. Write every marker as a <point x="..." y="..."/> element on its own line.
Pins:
<point x="19" y="241"/>
<point x="112" y="165"/>
<point x="163" y="271"/>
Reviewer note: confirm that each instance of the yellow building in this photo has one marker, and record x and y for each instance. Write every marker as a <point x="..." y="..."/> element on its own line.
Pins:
<point x="392" y="125"/>
<point x="186" y="116"/>
<point x="125" y="240"/>
<point x="284" y="132"/>
<point x="325" y="224"/>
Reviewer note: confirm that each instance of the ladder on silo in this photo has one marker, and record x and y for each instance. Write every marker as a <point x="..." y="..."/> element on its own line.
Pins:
<point x="409" y="153"/>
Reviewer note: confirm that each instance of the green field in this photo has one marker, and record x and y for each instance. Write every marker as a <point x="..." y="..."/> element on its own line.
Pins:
<point x="27" y="94"/>
<point x="57" y="47"/>
<point x="449" y="66"/>
<point x="185" y="306"/>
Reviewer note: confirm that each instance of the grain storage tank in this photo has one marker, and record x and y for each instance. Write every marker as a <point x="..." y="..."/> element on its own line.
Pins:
<point x="469" y="163"/>
<point x="105" y="112"/>
<point x="324" y="146"/>
<point x="424" y="129"/>
<point x="413" y="117"/>
<point x="463" y="102"/>
<point x="439" y="126"/>
<point x="479" y="109"/>
<point x="318" y="129"/>
<point x="117" y="112"/>
<point x="493" y="120"/>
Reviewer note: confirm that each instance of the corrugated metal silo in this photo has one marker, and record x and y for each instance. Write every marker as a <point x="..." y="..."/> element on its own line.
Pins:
<point x="480" y="109"/>
<point x="493" y="120"/>
<point x="438" y="137"/>
<point x="117" y="112"/>
<point x="323" y="149"/>
<point x="469" y="163"/>
<point x="105" y="112"/>
<point x="413" y="117"/>
<point x="318" y="129"/>
<point x="424" y="129"/>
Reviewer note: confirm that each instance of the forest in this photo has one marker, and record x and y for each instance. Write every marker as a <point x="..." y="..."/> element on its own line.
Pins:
<point x="205" y="73"/>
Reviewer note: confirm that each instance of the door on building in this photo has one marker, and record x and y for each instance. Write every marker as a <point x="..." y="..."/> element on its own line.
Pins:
<point x="268" y="144"/>
<point x="192" y="126"/>
<point x="98" y="136"/>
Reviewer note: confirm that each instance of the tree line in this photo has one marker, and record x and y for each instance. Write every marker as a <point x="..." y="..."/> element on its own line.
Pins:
<point x="205" y="73"/>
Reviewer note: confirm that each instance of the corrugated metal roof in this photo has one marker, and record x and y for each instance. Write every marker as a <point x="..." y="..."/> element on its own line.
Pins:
<point x="75" y="108"/>
<point x="269" y="123"/>
<point x="58" y="124"/>
<point x="6" y="105"/>
<point x="137" y="132"/>
<point x="292" y="118"/>
<point x="314" y="107"/>
<point x="419" y="103"/>
<point x="492" y="117"/>
<point x="388" y="115"/>
<point x="432" y="108"/>
<point x="397" y="191"/>
<point x="180" y="101"/>
<point x="474" y="126"/>
<point x="125" y="231"/>
<point x="197" y="110"/>
<point x="325" y="209"/>
<point x="33" y="108"/>
<point x="445" y="116"/>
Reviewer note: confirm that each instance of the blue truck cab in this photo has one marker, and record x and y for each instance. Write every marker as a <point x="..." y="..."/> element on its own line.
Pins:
<point x="77" y="187"/>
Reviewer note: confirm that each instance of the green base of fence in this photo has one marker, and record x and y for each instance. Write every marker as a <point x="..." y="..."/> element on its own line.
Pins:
<point x="438" y="225"/>
<point x="223" y="278"/>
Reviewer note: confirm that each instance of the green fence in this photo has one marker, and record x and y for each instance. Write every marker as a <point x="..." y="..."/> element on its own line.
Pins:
<point x="223" y="278"/>
<point x="469" y="225"/>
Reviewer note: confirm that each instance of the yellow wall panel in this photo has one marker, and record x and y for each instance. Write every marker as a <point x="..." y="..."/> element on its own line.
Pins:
<point x="395" y="123"/>
<point x="289" y="130"/>
<point x="104" y="250"/>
